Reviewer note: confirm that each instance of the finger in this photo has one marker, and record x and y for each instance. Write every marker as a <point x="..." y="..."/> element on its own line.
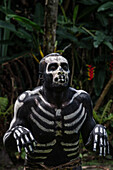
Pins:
<point x="101" y="141"/>
<point x="95" y="142"/>
<point x="105" y="139"/>
<point x="17" y="143"/>
<point x="95" y="147"/>
<point x="23" y="142"/>
<point x="30" y="148"/>
<point x="101" y="146"/>
<point x="18" y="146"/>
<point x="27" y="139"/>
<point x="32" y="139"/>
<point x="20" y="129"/>
<point x="108" y="150"/>
<point x="28" y="142"/>
<point x="17" y="132"/>
<point x="26" y="150"/>
<point x="31" y="136"/>
<point x="104" y="147"/>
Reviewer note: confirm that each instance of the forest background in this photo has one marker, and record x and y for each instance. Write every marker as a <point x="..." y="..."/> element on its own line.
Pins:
<point x="82" y="31"/>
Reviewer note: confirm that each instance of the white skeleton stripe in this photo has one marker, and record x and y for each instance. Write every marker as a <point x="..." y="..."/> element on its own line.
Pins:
<point x="72" y="115"/>
<point x="78" y="92"/>
<point x="6" y="136"/>
<point x="30" y="148"/>
<point x="27" y="139"/>
<point x="17" y="132"/>
<point x="75" y="95"/>
<point x="16" y="107"/>
<point x="43" y="151"/>
<point x="77" y="128"/>
<point x="70" y="144"/>
<point x="40" y="126"/>
<point x="71" y="149"/>
<point x="20" y="130"/>
<point x="18" y="104"/>
<point x="72" y="154"/>
<point x="38" y="157"/>
<point x="47" y="144"/>
<point x="76" y="120"/>
<point x="22" y="141"/>
<point x="44" y="100"/>
<point x="45" y="111"/>
<point x="41" y="117"/>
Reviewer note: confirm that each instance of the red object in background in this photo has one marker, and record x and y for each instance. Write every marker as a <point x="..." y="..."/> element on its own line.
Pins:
<point x="90" y="72"/>
<point x="111" y="65"/>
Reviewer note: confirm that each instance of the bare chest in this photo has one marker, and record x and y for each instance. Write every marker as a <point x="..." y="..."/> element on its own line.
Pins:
<point x="53" y="122"/>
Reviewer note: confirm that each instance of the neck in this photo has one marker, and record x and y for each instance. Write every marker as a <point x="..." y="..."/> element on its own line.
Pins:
<point x="56" y="96"/>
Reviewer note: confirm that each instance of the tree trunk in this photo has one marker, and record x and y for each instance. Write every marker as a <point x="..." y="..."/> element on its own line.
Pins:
<point x="50" y="23"/>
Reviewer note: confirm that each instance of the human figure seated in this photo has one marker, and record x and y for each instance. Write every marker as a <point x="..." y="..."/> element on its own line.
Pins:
<point x="48" y="121"/>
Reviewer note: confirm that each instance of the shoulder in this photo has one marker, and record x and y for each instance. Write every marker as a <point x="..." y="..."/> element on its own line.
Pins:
<point x="25" y="97"/>
<point x="81" y="95"/>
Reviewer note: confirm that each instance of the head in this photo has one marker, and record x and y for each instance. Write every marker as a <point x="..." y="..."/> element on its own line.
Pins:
<point x="54" y="69"/>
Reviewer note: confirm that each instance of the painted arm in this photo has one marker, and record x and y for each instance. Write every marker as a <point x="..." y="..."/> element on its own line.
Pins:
<point x="94" y="135"/>
<point x="18" y="134"/>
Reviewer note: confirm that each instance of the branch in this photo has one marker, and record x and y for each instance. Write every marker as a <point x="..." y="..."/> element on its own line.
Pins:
<point x="102" y="96"/>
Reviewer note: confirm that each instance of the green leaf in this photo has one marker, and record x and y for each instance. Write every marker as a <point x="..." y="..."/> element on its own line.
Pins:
<point x="98" y="38"/>
<point x="102" y="19"/>
<point x="21" y="33"/>
<point x="26" y="26"/>
<point x="39" y="14"/>
<point x="3" y="103"/>
<point x="87" y="11"/>
<point x="65" y="35"/>
<point x="111" y="14"/>
<point x="7" y="25"/>
<point x="6" y="10"/>
<point x="105" y="6"/>
<point x="26" y="21"/>
<point x="73" y="29"/>
<point x="75" y="13"/>
<point x="99" y="80"/>
<point x="109" y="44"/>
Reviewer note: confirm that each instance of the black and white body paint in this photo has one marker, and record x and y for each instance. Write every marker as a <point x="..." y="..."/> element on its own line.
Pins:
<point x="48" y="132"/>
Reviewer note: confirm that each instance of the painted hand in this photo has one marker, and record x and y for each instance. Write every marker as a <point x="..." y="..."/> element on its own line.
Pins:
<point x="24" y="139"/>
<point x="100" y="140"/>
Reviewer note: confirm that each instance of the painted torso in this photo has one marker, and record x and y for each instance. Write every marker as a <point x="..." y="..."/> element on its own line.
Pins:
<point x="56" y="130"/>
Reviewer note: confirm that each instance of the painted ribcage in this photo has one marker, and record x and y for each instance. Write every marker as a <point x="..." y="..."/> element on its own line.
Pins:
<point x="57" y="123"/>
<point x="74" y="121"/>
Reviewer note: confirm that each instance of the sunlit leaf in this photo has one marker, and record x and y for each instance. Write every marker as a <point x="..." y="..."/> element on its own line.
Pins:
<point x="109" y="44"/>
<point x="105" y="6"/>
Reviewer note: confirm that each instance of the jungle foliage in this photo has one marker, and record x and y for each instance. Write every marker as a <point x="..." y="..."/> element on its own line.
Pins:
<point x="84" y="36"/>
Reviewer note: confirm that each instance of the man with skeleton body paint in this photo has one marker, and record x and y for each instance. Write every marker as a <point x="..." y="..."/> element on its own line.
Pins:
<point x="48" y="120"/>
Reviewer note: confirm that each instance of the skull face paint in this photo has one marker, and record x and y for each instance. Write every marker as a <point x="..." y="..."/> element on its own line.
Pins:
<point x="58" y="67"/>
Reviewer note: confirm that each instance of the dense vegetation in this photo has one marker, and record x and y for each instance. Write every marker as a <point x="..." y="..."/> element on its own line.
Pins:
<point x="84" y="35"/>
